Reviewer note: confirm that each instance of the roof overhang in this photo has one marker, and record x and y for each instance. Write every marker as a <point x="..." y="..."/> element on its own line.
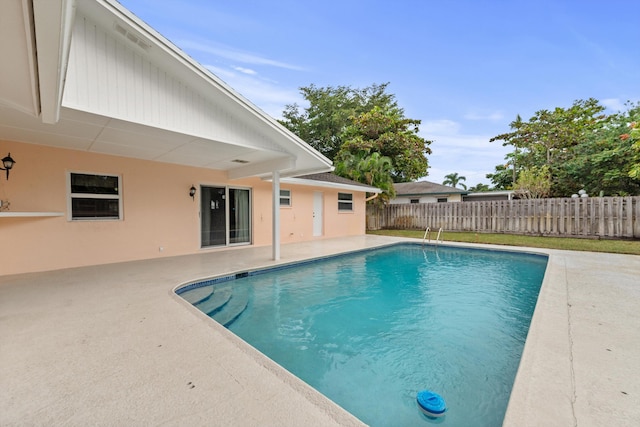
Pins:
<point x="434" y="193"/>
<point x="35" y="40"/>
<point x="53" y="21"/>
<point x="328" y="184"/>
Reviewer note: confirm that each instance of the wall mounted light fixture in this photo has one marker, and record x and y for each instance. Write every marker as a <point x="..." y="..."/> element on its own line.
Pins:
<point x="8" y="163"/>
<point x="192" y="192"/>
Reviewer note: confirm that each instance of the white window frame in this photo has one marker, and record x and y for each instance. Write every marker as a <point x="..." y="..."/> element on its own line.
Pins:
<point x="285" y="198"/>
<point x="71" y="196"/>
<point x="346" y="202"/>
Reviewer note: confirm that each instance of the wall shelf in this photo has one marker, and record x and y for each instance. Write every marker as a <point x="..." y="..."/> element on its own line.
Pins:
<point x="10" y="214"/>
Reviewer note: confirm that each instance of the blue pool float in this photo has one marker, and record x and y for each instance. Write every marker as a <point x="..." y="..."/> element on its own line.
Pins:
<point x="431" y="404"/>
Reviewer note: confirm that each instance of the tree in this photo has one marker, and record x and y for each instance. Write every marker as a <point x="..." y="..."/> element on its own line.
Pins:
<point x="391" y="135"/>
<point x="533" y="183"/>
<point x="453" y="179"/>
<point x="373" y="170"/>
<point x="634" y="135"/>
<point x="502" y="178"/>
<point x="550" y="137"/>
<point x="331" y="110"/>
<point x="479" y="188"/>
<point x="604" y="162"/>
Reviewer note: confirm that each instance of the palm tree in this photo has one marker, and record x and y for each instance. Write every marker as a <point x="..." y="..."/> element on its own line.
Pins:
<point x="479" y="188"/>
<point x="374" y="170"/>
<point x="453" y="179"/>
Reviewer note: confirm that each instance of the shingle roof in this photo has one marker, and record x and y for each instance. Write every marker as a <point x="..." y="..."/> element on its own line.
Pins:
<point x="425" y="187"/>
<point x="331" y="177"/>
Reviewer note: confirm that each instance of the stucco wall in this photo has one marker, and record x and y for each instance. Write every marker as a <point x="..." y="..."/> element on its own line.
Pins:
<point x="159" y="217"/>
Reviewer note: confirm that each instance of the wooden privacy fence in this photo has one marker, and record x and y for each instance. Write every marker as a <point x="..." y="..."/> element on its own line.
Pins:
<point x="606" y="217"/>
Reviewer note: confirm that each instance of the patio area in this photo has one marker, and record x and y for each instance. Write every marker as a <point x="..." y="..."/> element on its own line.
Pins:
<point x="113" y="345"/>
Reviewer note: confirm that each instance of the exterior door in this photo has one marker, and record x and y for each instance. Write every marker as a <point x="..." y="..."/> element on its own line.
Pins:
<point x="317" y="213"/>
<point x="239" y="215"/>
<point x="213" y="216"/>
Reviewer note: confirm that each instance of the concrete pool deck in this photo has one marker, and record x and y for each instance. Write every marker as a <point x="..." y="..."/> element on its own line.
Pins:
<point x="113" y="345"/>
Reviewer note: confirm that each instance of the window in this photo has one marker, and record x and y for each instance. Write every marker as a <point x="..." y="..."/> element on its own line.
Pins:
<point x="442" y="200"/>
<point x="94" y="197"/>
<point x="345" y="202"/>
<point x="285" y="197"/>
<point x="415" y="200"/>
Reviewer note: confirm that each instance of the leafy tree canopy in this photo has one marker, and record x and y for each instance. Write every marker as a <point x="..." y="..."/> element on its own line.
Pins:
<point x="331" y="110"/>
<point x="634" y="136"/>
<point x="364" y="132"/>
<point x="373" y="169"/>
<point x="604" y="161"/>
<point x="581" y="147"/>
<point x="480" y="188"/>
<point x="533" y="183"/>
<point x="391" y="135"/>
<point x="502" y="177"/>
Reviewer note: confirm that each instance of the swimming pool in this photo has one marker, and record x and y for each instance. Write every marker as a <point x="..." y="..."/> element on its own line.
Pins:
<point x="371" y="329"/>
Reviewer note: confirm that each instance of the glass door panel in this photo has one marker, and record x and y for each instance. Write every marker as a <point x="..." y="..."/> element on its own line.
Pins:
<point x="239" y="216"/>
<point x="213" y="216"/>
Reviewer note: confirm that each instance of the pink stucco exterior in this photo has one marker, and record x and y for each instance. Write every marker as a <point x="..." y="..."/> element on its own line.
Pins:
<point x="159" y="217"/>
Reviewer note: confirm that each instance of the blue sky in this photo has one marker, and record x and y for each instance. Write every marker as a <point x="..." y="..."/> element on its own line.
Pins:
<point x="465" y="68"/>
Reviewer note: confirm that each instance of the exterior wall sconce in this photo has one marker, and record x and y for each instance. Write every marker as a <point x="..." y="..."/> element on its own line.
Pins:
<point x="8" y="163"/>
<point x="192" y="192"/>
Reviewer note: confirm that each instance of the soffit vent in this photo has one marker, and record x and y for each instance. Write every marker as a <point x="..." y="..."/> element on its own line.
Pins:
<point x="132" y="37"/>
<point x="240" y="161"/>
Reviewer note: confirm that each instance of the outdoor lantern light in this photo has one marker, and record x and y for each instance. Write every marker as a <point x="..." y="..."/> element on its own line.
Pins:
<point x="8" y="163"/>
<point x="192" y="192"/>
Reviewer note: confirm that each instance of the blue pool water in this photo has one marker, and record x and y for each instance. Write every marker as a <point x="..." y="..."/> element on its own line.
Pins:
<point x="370" y="330"/>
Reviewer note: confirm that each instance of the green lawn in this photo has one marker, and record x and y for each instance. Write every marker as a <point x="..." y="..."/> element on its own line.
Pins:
<point x="592" y="245"/>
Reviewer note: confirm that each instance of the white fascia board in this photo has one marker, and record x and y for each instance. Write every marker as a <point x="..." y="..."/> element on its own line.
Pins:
<point x="29" y="32"/>
<point x="328" y="184"/>
<point x="53" y="24"/>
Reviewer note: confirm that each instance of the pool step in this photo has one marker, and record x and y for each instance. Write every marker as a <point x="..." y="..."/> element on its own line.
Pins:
<point x="238" y="303"/>
<point x="198" y="295"/>
<point x="216" y="301"/>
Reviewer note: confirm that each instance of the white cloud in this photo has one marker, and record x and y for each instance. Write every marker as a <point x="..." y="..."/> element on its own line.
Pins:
<point x="234" y="54"/>
<point x="495" y="116"/>
<point x="266" y="94"/>
<point x="469" y="155"/>
<point x="614" y="104"/>
<point x="246" y="70"/>
<point x="440" y="126"/>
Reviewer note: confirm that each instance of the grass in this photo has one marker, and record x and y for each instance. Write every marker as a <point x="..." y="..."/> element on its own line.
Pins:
<point x="565" y="243"/>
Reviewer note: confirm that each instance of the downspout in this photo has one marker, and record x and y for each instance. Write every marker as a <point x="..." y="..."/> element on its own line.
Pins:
<point x="275" y="226"/>
<point x="372" y="197"/>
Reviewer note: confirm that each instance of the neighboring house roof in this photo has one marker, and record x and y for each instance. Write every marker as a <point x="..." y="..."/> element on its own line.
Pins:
<point x="424" y="188"/>
<point x="331" y="180"/>
<point x="91" y="76"/>
<point x="490" y="195"/>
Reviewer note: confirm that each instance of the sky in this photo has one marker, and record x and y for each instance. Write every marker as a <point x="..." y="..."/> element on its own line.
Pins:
<point x="464" y="68"/>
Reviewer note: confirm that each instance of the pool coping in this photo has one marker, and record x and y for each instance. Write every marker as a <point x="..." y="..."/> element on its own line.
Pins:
<point x="103" y="334"/>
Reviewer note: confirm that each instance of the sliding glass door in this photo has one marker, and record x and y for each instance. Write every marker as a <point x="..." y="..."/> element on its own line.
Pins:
<point x="225" y="215"/>
<point x="239" y="224"/>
